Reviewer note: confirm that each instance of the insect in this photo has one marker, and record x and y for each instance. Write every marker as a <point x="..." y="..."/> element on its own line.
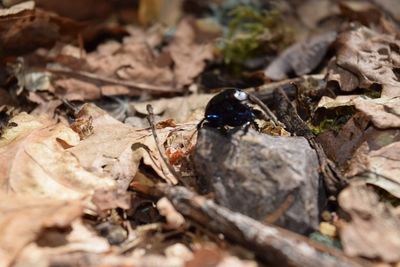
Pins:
<point x="229" y="108"/>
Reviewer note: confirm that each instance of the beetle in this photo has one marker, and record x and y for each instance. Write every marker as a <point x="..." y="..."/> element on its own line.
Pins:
<point x="229" y="108"/>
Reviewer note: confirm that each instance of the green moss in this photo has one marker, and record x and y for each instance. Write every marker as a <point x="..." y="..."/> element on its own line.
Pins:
<point x="252" y="33"/>
<point x="331" y="120"/>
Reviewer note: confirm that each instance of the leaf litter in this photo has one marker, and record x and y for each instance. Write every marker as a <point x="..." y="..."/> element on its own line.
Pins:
<point x="90" y="190"/>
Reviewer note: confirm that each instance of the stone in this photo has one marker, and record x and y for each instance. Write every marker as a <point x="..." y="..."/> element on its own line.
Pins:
<point x="261" y="175"/>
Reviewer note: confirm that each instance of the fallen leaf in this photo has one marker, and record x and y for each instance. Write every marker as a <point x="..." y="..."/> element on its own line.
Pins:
<point x="24" y="28"/>
<point x="340" y="146"/>
<point x="384" y="112"/>
<point x="22" y="219"/>
<point x="188" y="55"/>
<point x="162" y="11"/>
<point x="116" y="149"/>
<point x="33" y="161"/>
<point x="312" y="12"/>
<point x="302" y="57"/>
<point x="110" y="199"/>
<point x="373" y="58"/>
<point x="390" y="6"/>
<point x="377" y="166"/>
<point x="372" y="230"/>
<point x="182" y="109"/>
<point x="364" y="12"/>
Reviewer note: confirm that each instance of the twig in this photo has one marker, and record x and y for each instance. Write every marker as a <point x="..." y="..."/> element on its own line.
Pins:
<point x="273" y="245"/>
<point x="150" y="119"/>
<point x="266" y="109"/>
<point x="105" y="80"/>
<point x="333" y="178"/>
<point x="266" y="91"/>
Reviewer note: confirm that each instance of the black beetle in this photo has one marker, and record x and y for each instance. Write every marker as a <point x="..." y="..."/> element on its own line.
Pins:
<point x="229" y="108"/>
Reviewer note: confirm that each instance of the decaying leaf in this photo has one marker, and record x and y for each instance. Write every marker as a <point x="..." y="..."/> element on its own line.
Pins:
<point x="22" y="219"/>
<point x="24" y="28"/>
<point x="372" y="57"/>
<point x="34" y="161"/>
<point x="373" y="230"/>
<point x="182" y="109"/>
<point x="378" y="166"/>
<point x="302" y="57"/>
<point x="133" y="66"/>
<point x="340" y="146"/>
<point x="116" y="149"/>
<point x="383" y="112"/>
<point x="188" y="54"/>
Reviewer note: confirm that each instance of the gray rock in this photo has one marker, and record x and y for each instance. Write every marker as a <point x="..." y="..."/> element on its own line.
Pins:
<point x="255" y="173"/>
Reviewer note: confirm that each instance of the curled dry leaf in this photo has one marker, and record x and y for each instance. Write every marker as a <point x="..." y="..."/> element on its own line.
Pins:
<point x="371" y="57"/>
<point x="380" y="167"/>
<point x="373" y="230"/>
<point x="33" y="160"/>
<point x="23" y="218"/>
<point x="370" y="153"/>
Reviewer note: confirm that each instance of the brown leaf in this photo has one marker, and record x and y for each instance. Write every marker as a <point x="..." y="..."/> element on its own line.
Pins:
<point x="302" y="57"/>
<point x="372" y="57"/>
<point x="383" y="112"/>
<point x="182" y="109"/>
<point x="341" y="146"/>
<point x="22" y="218"/>
<point x="116" y="149"/>
<point x="24" y="28"/>
<point x="188" y="55"/>
<point x="110" y="199"/>
<point x="33" y="161"/>
<point x="373" y="230"/>
<point x="378" y="166"/>
<point x="162" y="11"/>
<point x="364" y="12"/>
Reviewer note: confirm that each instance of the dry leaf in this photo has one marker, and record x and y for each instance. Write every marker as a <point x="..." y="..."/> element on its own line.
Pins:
<point x="383" y="112"/>
<point x="340" y="146"/>
<point x="378" y="166"/>
<point x="302" y="57"/>
<point x="22" y="219"/>
<point x="188" y="55"/>
<point x="182" y="109"/>
<point x="33" y="161"/>
<point x="24" y="28"/>
<point x="373" y="58"/>
<point x="116" y="149"/>
<point x="373" y="230"/>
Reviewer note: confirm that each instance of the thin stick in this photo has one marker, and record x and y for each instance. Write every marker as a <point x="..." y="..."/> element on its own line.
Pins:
<point x="150" y="119"/>
<point x="266" y="109"/>
<point x="105" y="80"/>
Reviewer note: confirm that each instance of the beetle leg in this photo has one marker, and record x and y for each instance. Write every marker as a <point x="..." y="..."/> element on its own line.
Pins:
<point x="254" y="123"/>
<point x="200" y="124"/>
